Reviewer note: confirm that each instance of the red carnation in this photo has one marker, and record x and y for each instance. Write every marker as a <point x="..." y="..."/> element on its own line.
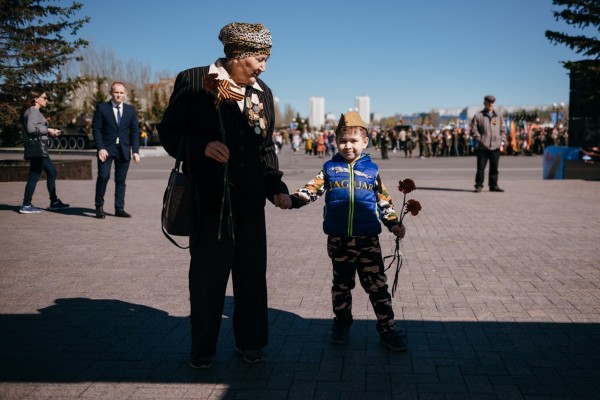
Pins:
<point x="211" y="82"/>
<point x="406" y="186"/>
<point x="413" y="207"/>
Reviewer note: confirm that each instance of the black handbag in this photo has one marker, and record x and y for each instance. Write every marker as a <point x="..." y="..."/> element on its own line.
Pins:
<point x="179" y="203"/>
<point x="35" y="147"/>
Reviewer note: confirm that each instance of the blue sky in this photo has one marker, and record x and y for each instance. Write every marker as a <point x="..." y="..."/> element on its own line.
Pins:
<point x="408" y="56"/>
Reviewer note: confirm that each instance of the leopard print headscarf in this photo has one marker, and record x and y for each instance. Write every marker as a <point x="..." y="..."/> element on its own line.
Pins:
<point x="242" y="40"/>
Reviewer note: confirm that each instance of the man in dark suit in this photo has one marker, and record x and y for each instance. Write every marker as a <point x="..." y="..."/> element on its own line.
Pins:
<point x="116" y="132"/>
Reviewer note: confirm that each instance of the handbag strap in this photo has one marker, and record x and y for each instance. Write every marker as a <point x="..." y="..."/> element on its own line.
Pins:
<point x="173" y="240"/>
<point x="179" y="159"/>
<point x="177" y="167"/>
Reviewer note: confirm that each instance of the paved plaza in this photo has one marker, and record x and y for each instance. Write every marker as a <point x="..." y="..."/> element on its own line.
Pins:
<point x="499" y="294"/>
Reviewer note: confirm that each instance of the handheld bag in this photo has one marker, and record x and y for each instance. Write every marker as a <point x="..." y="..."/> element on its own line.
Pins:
<point x="179" y="203"/>
<point x="35" y="147"/>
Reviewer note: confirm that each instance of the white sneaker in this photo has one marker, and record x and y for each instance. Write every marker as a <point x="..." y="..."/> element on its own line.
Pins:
<point x="29" y="210"/>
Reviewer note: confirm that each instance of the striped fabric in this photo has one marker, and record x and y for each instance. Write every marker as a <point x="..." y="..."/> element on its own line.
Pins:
<point x="253" y="165"/>
<point x="224" y="93"/>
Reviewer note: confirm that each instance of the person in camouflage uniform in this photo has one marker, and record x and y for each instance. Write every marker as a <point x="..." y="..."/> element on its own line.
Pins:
<point x="356" y="200"/>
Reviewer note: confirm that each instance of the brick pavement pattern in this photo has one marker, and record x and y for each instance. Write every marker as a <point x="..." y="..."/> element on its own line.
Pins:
<point x="499" y="296"/>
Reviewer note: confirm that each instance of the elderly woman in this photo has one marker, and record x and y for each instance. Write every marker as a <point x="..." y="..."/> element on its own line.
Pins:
<point x="223" y="246"/>
<point x="35" y="129"/>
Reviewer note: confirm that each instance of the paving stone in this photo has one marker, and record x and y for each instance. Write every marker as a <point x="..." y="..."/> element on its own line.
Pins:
<point x="499" y="295"/>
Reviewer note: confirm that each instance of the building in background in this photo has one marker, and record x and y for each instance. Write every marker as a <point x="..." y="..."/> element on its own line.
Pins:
<point x="363" y="105"/>
<point x="316" y="112"/>
<point x="331" y="121"/>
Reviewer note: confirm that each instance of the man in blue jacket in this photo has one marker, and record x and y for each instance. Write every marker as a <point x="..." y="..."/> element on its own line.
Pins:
<point x="116" y="133"/>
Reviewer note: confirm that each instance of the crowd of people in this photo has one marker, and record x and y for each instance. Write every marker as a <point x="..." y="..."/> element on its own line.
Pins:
<point x="425" y="143"/>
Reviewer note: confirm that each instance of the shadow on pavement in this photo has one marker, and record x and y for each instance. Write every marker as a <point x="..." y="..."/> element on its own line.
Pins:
<point x="76" y="211"/>
<point x="8" y="207"/>
<point x="103" y="340"/>
<point x="446" y="189"/>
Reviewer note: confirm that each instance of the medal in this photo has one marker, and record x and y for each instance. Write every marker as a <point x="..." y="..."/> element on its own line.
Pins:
<point x="255" y="111"/>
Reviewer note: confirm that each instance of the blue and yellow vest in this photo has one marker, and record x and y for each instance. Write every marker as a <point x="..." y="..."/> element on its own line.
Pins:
<point x="350" y="198"/>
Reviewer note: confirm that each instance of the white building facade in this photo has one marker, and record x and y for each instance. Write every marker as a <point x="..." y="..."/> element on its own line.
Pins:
<point x="316" y="113"/>
<point x="363" y="105"/>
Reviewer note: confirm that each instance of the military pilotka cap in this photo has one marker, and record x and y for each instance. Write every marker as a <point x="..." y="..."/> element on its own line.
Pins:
<point x="489" y="98"/>
<point x="350" y="119"/>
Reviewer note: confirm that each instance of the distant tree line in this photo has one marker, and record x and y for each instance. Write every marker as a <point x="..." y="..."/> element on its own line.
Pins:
<point x="40" y="47"/>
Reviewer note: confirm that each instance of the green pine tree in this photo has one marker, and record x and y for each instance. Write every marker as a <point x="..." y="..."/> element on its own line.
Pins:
<point x="36" y="39"/>
<point x="582" y="14"/>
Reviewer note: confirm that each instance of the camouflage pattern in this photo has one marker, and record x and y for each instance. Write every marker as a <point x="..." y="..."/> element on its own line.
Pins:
<point x="362" y="255"/>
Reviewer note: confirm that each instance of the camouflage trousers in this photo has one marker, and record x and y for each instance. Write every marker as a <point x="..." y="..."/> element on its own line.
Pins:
<point x="362" y="255"/>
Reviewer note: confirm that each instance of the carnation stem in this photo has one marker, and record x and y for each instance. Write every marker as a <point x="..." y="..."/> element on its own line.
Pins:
<point x="226" y="195"/>
<point x="396" y="256"/>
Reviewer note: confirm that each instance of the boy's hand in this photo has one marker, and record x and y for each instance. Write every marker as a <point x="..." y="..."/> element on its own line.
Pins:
<point x="283" y="201"/>
<point x="399" y="231"/>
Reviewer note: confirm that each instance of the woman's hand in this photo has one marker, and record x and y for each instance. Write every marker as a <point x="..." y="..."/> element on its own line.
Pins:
<point x="217" y="151"/>
<point x="53" y="132"/>
<point x="283" y="201"/>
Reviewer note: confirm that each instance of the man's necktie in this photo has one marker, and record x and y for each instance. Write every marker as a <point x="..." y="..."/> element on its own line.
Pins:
<point x="118" y="116"/>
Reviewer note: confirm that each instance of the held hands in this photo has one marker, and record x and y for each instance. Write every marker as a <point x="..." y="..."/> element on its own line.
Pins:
<point x="399" y="231"/>
<point x="283" y="201"/>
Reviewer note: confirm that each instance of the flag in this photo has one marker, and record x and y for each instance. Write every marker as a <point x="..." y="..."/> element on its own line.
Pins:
<point x="513" y="136"/>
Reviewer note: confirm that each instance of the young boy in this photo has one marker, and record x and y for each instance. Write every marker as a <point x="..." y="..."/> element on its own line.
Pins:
<point x="355" y="200"/>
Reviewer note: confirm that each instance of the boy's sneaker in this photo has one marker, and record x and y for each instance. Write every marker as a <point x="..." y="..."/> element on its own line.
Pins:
<point x="339" y="331"/>
<point x="200" y="362"/>
<point x="251" y="356"/>
<point x="393" y="340"/>
<point x="30" y="209"/>
<point x="57" y="205"/>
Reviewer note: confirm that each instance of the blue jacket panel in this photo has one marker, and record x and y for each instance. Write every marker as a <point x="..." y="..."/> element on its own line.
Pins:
<point x="350" y="197"/>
